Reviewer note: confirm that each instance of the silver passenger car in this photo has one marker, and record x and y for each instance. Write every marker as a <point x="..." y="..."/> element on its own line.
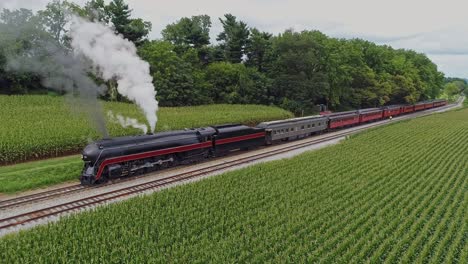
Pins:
<point x="293" y="128"/>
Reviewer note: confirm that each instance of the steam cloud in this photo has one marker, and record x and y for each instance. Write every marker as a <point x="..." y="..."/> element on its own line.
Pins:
<point x="115" y="57"/>
<point x="127" y="122"/>
<point x="59" y="70"/>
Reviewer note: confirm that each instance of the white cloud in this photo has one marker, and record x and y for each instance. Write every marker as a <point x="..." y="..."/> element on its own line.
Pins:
<point x="448" y="41"/>
<point x="452" y="65"/>
<point x="430" y="26"/>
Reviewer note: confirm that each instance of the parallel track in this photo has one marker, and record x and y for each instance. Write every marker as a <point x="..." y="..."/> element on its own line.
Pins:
<point x="40" y="196"/>
<point x="27" y="199"/>
<point x="154" y="184"/>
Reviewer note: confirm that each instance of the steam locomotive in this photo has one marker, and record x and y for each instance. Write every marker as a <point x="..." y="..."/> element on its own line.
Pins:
<point x="124" y="156"/>
<point x="133" y="155"/>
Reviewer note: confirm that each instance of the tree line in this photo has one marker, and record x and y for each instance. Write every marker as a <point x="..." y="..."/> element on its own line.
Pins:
<point x="244" y="65"/>
<point x="453" y="87"/>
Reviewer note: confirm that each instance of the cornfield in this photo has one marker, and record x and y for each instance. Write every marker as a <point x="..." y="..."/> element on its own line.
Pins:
<point x="36" y="127"/>
<point x="393" y="194"/>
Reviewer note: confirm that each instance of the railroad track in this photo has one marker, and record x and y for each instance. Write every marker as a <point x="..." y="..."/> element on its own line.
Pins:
<point x="114" y="195"/>
<point x="155" y="184"/>
<point x="32" y="198"/>
<point x="27" y="199"/>
<point x="40" y="196"/>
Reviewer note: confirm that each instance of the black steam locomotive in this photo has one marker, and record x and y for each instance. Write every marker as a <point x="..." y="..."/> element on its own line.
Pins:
<point x="125" y="156"/>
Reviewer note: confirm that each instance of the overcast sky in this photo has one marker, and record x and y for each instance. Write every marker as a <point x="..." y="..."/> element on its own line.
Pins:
<point x="438" y="28"/>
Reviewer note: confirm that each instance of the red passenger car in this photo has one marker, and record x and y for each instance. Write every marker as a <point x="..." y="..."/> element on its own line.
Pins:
<point x="419" y="106"/>
<point x="428" y="105"/>
<point x="438" y="103"/>
<point x="408" y="109"/>
<point x="342" y="119"/>
<point x="370" y="114"/>
<point x="392" y="110"/>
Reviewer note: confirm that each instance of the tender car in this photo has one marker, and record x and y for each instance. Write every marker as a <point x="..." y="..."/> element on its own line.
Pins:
<point x="236" y="136"/>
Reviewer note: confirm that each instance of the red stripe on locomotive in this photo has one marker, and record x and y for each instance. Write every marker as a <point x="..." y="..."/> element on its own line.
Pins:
<point x="172" y="150"/>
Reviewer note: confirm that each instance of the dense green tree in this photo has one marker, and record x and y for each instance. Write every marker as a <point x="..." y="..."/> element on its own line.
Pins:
<point x="461" y="84"/>
<point x="234" y="38"/>
<point x="54" y="19"/>
<point x="454" y="86"/>
<point x="189" y="32"/>
<point x="95" y="10"/>
<point x="451" y="89"/>
<point x="366" y="86"/>
<point x="431" y="80"/>
<point x="237" y="84"/>
<point x="176" y="80"/>
<point x="258" y="49"/>
<point x="19" y="31"/>
<point x="340" y="60"/>
<point x="298" y="71"/>
<point x="119" y="14"/>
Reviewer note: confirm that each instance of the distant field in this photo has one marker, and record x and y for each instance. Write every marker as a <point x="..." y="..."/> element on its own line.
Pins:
<point x="34" y="127"/>
<point x="393" y="194"/>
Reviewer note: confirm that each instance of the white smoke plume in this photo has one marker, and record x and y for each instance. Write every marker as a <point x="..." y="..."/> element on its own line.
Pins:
<point x="127" y="122"/>
<point x="115" y="57"/>
<point x="57" y="68"/>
